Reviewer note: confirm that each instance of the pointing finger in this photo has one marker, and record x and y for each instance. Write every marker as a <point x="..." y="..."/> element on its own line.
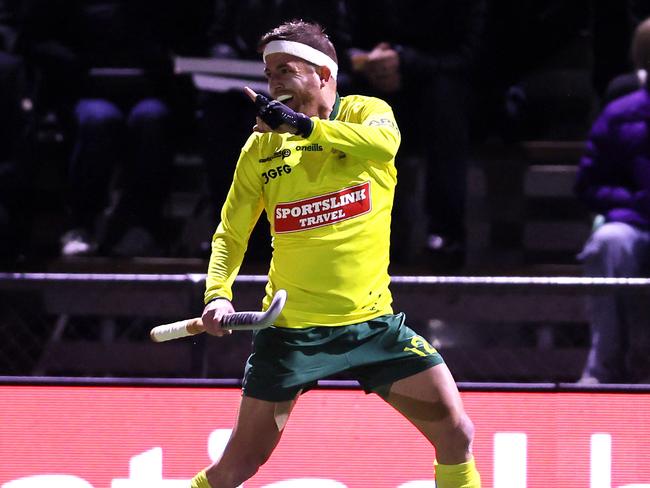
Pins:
<point x="251" y="94"/>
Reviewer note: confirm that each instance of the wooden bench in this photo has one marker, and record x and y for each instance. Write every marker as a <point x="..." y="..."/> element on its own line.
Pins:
<point x="521" y="206"/>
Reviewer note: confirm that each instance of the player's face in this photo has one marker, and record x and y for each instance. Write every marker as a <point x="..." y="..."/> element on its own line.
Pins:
<point x="294" y="82"/>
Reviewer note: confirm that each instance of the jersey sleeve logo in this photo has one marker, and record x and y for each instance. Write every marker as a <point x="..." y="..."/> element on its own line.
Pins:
<point x="383" y="122"/>
<point x="323" y="210"/>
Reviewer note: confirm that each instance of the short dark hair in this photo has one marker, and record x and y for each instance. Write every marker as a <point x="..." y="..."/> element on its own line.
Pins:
<point x="309" y="33"/>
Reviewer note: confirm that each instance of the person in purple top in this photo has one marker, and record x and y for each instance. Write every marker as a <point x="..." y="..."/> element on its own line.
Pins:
<point x="614" y="181"/>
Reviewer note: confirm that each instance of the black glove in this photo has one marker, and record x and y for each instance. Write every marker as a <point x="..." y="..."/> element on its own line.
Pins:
<point x="275" y="113"/>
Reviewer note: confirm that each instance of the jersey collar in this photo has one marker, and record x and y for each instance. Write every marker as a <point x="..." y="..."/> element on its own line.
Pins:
<point x="336" y="107"/>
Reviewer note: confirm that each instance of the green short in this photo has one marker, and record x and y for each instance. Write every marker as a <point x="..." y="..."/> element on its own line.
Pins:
<point x="376" y="353"/>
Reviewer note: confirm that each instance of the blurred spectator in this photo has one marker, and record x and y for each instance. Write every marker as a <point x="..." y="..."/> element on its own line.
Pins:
<point x="612" y="28"/>
<point x="106" y="64"/>
<point x="616" y="72"/>
<point x="539" y="62"/>
<point x="623" y="84"/>
<point x="614" y="182"/>
<point x="13" y="107"/>
<point x="225" y="117"/>
<point x="422" y="58"/>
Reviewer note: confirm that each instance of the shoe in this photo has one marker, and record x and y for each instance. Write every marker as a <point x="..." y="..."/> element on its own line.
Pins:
<point x="136" y="242"/>
<point x="77" y="242"/>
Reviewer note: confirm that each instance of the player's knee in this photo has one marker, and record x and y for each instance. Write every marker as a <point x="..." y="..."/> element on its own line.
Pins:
<point x="460" y="437"/>
<point x="453" y="442"/>
<point x="467" y="432"/>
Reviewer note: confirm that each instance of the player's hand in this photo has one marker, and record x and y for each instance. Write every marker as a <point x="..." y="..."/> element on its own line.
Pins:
<point x="278" y="117"/>
<point x="261" y="126"/>
<point x="212" y="315"/>
<point x="260" y="101"/>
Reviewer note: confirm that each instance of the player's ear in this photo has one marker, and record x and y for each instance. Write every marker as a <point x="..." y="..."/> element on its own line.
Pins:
<point x="325" y="75"/>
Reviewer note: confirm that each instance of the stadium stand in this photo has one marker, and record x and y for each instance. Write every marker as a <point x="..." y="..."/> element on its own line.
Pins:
<point x="522" y="220"/>
<point x="522" y="207"/>
<point x="91" y="316"/>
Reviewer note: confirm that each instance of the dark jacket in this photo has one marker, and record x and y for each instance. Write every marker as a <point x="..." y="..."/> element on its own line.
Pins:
<point x="614" y="174"/>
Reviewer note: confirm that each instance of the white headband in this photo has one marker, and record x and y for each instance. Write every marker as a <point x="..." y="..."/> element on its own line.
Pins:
<point x="302" y="51"/>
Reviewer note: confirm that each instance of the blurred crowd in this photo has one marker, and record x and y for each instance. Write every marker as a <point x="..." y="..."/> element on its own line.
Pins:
<point x="93" y="115"/>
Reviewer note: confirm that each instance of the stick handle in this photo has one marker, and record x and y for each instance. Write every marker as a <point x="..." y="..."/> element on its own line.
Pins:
<point x="231" y="321"/>
<point x="176" y="330"/>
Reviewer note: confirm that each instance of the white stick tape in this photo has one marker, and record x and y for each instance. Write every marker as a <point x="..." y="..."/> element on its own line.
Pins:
<point x="168" y="332"/>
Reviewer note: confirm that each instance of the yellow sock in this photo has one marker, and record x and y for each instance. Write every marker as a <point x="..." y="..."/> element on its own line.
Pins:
<point x="462" y="475"/>
<point x="200" y="481"/>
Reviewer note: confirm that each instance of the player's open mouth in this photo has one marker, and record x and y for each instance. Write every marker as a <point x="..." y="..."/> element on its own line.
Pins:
<point x="284" y="98"/>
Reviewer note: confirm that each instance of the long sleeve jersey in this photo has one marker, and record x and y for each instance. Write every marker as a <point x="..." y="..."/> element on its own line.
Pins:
<point x="328" y="199"/>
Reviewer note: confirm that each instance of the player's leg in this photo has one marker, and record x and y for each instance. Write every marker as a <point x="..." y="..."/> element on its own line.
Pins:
<point x="254" y="437"/>
<point x="399" y="365"/>
<point x="282" y="365"/>
<point x="431" y="402"/>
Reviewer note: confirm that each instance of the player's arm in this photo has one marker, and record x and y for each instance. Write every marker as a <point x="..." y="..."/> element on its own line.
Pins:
<point x="376" y="137"/>
<point x="239" y="214"/>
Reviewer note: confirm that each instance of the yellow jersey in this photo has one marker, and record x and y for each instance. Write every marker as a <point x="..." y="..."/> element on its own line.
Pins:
<point x="328" y="199"/>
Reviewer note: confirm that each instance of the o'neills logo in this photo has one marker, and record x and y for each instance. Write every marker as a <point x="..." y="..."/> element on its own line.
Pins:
<point x="323" y="210"/>
<point x="310" y="147"/>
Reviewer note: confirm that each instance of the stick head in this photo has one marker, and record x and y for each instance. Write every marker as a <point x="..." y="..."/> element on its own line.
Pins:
<point x="256" y="320"/>
<point x="277" y="304"/>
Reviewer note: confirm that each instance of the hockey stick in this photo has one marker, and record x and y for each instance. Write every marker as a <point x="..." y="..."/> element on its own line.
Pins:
<point x="233" y="321"/>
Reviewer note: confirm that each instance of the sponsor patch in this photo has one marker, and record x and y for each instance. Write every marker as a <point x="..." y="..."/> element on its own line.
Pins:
<point x="323" y="210"/>
<point x="283" y="153"/>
